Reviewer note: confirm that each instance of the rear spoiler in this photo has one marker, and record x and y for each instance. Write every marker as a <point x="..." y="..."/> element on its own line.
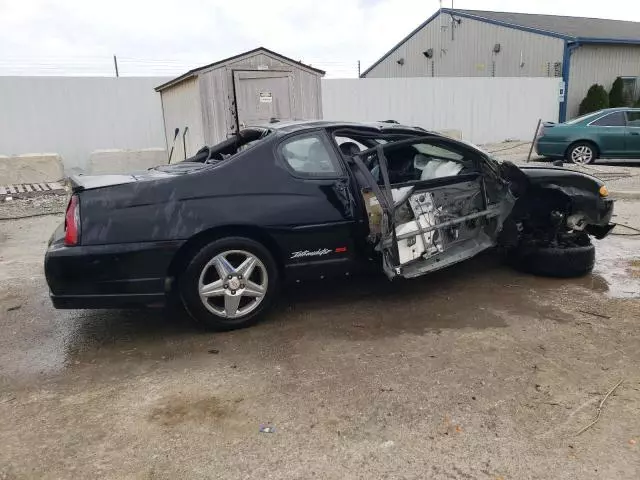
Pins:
<point x="89" y="182"/>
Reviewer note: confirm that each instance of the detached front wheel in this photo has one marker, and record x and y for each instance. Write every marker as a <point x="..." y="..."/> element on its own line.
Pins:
<point x="555" y="261"/>
<point x="229" y="283"/>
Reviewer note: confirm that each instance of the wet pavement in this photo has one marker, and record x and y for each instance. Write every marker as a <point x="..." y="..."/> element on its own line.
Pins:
<point x="473" y="372"/>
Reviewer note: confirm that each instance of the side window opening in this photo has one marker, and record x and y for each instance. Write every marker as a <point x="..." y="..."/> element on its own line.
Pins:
<point x="244" y="140"/>
<point x="633" y="119"/>
<point x="615" y="119"/>
<point x="349" y="146"/>
<point x="309" y="156"/>
<point x="421" y="161"/>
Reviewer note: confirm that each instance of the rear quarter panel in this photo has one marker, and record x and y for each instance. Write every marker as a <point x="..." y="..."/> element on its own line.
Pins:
<point x="250" y="190"/>
<point x="556" y="140"/>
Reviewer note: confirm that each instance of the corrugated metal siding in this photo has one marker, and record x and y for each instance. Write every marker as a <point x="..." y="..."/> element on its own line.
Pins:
<point x="307" y="96"/>
<point x="484" y="109"/>
<point x="181" y="107"/>
<point x="216" y="92"/>
<point x="470" y="54"/>
<point x="599" y="64"/>
<point x="74" y="116"/>
<point x="216" y="96"/>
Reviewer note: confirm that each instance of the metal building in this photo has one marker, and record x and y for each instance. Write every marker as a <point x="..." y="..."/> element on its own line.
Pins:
<point x="210" y="103"/>
<point x="471" y="43"/>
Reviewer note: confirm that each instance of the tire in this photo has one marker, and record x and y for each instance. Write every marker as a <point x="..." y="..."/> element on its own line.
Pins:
<point x="235" y="301"/>
<point x="582" y="153"/>
<point x="561" y="262"/>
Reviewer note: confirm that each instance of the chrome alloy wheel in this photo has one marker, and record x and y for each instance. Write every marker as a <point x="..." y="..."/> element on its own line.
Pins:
<point x="582" y="154"/>
<point x="233" y="283"/>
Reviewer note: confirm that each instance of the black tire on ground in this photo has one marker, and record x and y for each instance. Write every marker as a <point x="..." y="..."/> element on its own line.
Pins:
<point x="563" y="262"/>
<point x="189" y="286"/>
<point x="587" y="151"/>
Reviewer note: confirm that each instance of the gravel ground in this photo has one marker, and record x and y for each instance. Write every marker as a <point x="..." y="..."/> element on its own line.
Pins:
<point x="41" y="205"/>
<point x="475" y="372"/>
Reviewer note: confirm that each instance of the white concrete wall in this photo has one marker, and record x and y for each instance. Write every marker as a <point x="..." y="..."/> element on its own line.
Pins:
<point x="485" y="110"/>
<point x="74" y="116"/>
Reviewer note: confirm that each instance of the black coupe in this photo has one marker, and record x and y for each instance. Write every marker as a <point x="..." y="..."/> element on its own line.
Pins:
<point x="301" y="200"/>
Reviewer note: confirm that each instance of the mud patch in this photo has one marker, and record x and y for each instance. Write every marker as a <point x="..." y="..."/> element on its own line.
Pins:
<point x="178" y="410"/>
<point x="478" y="294"/>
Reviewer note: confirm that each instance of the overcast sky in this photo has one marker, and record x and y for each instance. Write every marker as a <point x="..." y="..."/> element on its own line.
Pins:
<point x="167" y="37"/>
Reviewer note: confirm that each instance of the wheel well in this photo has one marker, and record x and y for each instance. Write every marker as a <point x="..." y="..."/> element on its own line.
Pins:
<point x="538" y="202"/>
<point x="195" y="243"/>
<point x="590" y="142"/>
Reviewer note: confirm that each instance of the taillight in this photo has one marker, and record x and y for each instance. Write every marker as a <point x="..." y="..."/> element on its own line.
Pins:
<point x="540" y="131"/>
<point x="72" y="222"/>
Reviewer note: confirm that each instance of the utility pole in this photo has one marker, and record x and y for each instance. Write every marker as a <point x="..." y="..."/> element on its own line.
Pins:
<point x="115" y="64"/>
<point x="358" y="68"/>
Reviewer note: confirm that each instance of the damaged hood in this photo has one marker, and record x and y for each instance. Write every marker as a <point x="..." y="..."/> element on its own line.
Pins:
<point x="556" y="176"/>
<point x="559" y="174"/>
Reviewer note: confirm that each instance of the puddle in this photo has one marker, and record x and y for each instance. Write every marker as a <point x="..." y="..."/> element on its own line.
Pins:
<point x="477" y="294"/>
<point x="618" y="263"/>
<point x="480" y="293"/>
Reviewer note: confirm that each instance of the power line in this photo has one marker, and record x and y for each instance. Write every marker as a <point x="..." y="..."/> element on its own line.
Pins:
<point x="128" y="66"/>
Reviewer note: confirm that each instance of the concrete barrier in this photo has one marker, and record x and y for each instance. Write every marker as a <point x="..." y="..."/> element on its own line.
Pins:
<point x="31" y="168"/>
<point x="125" y="161"/>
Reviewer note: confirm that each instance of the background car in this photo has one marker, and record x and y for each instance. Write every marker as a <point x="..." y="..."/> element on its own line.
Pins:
<point x="609" y="133"/>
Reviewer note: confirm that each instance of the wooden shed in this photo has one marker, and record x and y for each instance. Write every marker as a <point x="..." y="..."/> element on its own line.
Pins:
<point x="210" y="103"/>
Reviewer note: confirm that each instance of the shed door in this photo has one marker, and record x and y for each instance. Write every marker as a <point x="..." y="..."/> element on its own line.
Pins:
<point x="261" y="96"/>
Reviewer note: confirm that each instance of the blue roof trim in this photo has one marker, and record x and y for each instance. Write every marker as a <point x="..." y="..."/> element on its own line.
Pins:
<point x="416" y="30"/>
<point x="515" y="26"/>
<point x="610" y="41"/>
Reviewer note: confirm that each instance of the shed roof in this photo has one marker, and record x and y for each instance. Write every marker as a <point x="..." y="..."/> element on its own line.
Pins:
<point x="572" y="29"/>
<point x="194" y="72"/>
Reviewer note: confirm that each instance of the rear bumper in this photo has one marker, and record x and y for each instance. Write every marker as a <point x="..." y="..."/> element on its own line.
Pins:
<point x="546" y="148"/>
<point x="108" y="276"/>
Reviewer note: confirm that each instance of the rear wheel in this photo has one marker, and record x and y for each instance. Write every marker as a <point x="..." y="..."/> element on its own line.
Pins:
<point x="582" y="153"/>
<point x="229" y="283"/>
<point x="555" y="261"/>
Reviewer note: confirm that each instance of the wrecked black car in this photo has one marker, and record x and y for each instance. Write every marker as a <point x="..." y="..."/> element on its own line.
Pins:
<point x="291" y="201"/>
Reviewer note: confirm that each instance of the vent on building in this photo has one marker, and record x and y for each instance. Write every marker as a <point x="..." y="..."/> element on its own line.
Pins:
<point x="428" y="53"/>
<point x="400" y="62"/>
<point x="557" y="69"/>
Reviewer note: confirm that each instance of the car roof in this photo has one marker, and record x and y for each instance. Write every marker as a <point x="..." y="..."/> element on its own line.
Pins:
<point x="302" y="125"/>
<point x="616" y="109"/>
